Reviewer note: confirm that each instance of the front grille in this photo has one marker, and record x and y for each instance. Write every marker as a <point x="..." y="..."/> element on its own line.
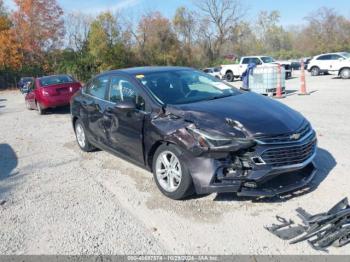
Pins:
<point x="286" y="138"/>
<point x="290" y="155"/>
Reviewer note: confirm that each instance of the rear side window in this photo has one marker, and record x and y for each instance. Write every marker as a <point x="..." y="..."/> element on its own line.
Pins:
<point x="98" y="87"/>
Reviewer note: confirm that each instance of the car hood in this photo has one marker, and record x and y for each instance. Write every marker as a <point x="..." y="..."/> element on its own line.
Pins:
<point x="244" y="115"/>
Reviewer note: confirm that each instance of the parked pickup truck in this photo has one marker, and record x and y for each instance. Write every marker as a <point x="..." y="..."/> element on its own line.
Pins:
<point x="232" y="71"/>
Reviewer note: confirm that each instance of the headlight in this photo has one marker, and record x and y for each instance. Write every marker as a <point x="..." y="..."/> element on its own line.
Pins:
<point x="206" y="139"/>
<point x="214" y="140"/>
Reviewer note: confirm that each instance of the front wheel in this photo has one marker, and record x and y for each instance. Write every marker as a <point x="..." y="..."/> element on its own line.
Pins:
<point x="345" y="73"/>
<point x="170" y="173"/>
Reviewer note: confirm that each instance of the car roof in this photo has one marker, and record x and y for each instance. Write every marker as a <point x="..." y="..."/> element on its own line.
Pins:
<point x="52" y="76"/>
<point x="148" y="69"/>
<point x="335" y="53"/>
<point x="250" y="56"/>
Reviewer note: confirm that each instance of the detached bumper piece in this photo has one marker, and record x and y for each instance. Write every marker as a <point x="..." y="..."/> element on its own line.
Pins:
<point x="321" y="230"/>
<point x="281" y="184"/>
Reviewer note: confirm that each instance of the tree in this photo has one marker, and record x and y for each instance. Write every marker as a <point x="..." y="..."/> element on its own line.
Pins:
<point x="77" y="30"/>
<point x="271" y="36"/>
<point x="39" y="27"/>
<point x="10" y="57"/>
<point x="185" y="26"/>
<point x="218" y="21"/>
<point x="157" y="41"/>
<point x="105" y="44"/>
<point x="327" y="31"/>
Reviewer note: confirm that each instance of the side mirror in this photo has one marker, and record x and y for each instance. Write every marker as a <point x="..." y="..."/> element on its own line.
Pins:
<point x="341" y="59"/>
<point x="125" y="105"/>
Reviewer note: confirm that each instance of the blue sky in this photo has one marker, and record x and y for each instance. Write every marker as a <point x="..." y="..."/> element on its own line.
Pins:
<point x="292" y="11"/>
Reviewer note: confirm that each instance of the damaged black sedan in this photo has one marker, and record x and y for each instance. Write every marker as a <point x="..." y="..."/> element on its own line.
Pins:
<point x="196" y="133"/>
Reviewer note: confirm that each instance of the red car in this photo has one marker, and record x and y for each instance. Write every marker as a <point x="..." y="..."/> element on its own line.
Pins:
<point x="50" y="92"/>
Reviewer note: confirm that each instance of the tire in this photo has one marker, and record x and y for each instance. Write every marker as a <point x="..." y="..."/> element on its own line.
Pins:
<point x="315" y="71"/>
<point x="40" y="109"/>
<point x="345" y="73"/>
<point x="229" y="76"/>
<point x="80" y="135"/>
<point x="180" y="186"/>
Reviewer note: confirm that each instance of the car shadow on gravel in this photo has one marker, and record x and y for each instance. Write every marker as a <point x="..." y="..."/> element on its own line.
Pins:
<point x="58" y="111"/>
<point x="8" y="163"/>
<point x="324" y="162"/>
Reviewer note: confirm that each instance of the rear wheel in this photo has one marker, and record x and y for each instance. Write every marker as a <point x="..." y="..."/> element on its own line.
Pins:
<point x="40" y="109"/>
<point x="171" y="175"/>
<point x="345" y="73"/>
<point x="315" y="71"/>
<point x="229" y="76"/>
<point x="80" y="135"/>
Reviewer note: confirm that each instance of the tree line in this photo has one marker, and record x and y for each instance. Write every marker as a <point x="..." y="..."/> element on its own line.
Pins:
<point x="37" y="38"/>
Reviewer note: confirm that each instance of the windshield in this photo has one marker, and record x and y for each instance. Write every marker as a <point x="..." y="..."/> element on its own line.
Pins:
<point x="185" y="86"/>
<point x="346" y="55"/>
<point x="267" y="59"/>
<point x="55" y="80"/>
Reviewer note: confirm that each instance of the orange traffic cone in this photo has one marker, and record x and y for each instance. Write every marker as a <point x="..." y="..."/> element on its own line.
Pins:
<point x="279" y="83"/>
<point x="302" y="91"/>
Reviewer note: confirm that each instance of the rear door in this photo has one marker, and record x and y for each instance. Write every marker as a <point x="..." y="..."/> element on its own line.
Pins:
<point x="94" y="105"/>
<point x="124" y="129"/>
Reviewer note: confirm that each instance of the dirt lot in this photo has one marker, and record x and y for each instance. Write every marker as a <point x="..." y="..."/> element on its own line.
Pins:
<point x="55" y="199"/>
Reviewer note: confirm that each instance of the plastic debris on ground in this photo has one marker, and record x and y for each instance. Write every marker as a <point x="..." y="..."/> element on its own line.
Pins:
<point x="321" y="231"/>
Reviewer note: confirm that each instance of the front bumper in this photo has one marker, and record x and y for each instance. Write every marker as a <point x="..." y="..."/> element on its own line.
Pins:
<point x="265" y="180"/>
<point x="282" y="184"/>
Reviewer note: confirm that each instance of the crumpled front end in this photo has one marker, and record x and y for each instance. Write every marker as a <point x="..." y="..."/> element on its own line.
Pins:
<point x="236" y="160"/>
<point x="266" y="169"/>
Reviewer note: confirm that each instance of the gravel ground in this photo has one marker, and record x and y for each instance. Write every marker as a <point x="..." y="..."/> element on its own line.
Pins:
<point x="55" y="199"/>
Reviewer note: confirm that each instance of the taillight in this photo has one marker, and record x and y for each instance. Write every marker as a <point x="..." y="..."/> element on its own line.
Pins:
<point x="45" y="93"/>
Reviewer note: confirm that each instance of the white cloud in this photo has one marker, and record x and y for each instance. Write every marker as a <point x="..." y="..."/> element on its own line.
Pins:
<point x="113" y="8"/>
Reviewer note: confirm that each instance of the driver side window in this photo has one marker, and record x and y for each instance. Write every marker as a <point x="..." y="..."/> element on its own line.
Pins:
<point x="121" y="89"/>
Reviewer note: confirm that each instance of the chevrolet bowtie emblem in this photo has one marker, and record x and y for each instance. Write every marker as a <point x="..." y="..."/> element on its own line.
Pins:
<point x="295" y="136"/>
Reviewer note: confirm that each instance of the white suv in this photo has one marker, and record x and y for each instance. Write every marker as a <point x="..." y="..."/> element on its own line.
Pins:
<point x="333" y="63"/>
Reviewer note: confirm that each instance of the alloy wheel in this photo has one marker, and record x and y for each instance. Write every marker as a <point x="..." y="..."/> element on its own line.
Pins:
<point x="168" y="171"/>
<point x="80" y="134"/>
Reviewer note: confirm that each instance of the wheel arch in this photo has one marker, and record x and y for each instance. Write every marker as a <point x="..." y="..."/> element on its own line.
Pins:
<point x="152" y="151"/>
<point x="74" y="120"/>
<point x="228" y="71"/>
<point x="341" y="69"/>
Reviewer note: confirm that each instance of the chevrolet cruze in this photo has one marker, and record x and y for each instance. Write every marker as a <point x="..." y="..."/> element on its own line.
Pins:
<point x="196" y="133"/>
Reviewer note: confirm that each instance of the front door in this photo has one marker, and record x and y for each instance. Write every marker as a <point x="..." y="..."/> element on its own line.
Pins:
<point x="124" y="129"/>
